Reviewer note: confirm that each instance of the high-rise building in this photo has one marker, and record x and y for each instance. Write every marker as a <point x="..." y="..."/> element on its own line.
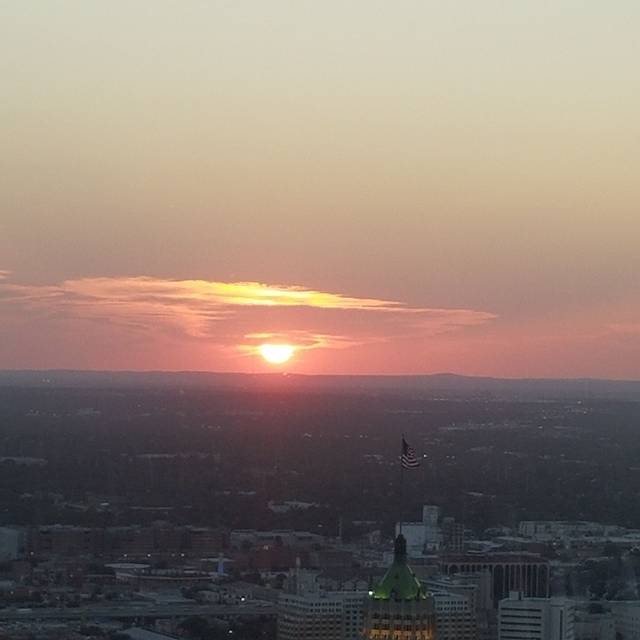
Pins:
<point x="432" y="534"/>
<point x="452" y="535"/>
<point x="535" y="618"/>
<point x="400" y="608"/>
<point x="424" y="536"/>
<point x="307" y="611"/>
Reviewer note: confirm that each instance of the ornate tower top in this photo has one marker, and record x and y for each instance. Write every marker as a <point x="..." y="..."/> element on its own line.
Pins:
<point x="399" y="583"/>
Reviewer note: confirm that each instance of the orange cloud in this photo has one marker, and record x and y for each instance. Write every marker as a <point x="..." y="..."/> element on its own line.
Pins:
<point x="237" y="314"/>
<point x="301" y="339"/>
<point x="210" y="293"/>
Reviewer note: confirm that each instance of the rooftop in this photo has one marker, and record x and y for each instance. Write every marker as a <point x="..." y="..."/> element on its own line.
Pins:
<point x="399" y="583"/>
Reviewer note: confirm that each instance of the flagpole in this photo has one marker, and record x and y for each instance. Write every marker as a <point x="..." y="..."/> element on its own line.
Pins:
<point x="401" y="483"/>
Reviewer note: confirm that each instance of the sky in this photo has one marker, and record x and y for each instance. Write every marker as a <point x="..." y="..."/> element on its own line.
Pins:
<point x="391" y="187"/>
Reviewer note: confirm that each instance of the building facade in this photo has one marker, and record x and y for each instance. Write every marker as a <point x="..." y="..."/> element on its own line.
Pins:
<point x="455" y="617"/>
<point x="626" y="616"/>
<point x="452" y="535"/>
<point x="522" y="618"/>
<point x="325" y="615"/>
<point x="595" y="626"/>
<point x="526" y="573"/>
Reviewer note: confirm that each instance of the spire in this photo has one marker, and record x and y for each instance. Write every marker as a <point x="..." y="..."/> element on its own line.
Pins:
<point x="400" y="550"/>
<point x="399" y="583"/>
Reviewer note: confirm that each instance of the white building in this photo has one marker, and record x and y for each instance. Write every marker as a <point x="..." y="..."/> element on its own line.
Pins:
<point x="432" y="533"/>
<point x="425" y="536"/>
<point x="535" y="618"/>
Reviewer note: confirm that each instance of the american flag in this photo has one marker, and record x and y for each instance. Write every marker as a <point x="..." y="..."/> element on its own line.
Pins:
<point x="408" y="458"/>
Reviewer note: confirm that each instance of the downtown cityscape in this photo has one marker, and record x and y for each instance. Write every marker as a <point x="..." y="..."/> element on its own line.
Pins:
<point x="319" y="320"/>
<point x="215" y="506"/>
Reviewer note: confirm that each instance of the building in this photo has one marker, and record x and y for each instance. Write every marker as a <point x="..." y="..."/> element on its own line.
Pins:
<point x="476" y="587"/>
<point x="400" y="608"/>
<point x="424" y="536"/>
<point x="477" y="590"/>
<point x="595" y="626"/>
<point x="12" y="542"/>
<point x="626" y="616"/>
<point x="65" y="540"/>
<point x="432" y="534"/>
<point x="126" y="541"/>
<point x="524" y="572"/>
<point x="550" y="530"/>
<point x="536" y="618"/>
<point x="246" y="538"/>
<point x="197" y="540"/>
<point x="311" y="608"/>
<point x="452" y="535"/>
<point x="325" y="615"/>
<point x="455" y="617"/>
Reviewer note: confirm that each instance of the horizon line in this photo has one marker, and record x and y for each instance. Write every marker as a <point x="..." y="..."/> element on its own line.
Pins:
<point x="317" y="375"/>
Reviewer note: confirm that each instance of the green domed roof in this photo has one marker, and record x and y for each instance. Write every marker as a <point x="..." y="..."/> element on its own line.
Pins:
<point x="399" y="583"/>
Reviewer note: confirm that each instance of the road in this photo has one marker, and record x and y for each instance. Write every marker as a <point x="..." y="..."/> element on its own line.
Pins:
<point x="137" y="610"/>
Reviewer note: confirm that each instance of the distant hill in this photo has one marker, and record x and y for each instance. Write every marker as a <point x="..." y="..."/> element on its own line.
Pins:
<point x="436" y="385"/>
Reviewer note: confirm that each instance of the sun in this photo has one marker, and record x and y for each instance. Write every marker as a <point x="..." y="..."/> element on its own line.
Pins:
<point x="276" y="353"/>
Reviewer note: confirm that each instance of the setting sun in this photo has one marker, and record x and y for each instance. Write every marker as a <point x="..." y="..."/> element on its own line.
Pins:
<point x="276" y="353"/>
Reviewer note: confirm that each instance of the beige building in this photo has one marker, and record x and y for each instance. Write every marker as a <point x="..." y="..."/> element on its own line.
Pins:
<point x="324" y="615"/>
<point x="455" y="617"/>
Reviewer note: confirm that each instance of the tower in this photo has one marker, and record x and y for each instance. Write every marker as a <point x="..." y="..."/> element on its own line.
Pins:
<point x="400" y="608"/>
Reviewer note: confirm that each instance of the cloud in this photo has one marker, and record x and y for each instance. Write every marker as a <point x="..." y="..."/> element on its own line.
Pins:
<point x="626" y="328"/>
<point x="235" y="314"/>
<point x="4" y="274"/>
<point x="300" y="338"/>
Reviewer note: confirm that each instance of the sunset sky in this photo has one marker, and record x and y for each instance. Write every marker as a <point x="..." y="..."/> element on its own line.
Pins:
<point x="390" y="187"/>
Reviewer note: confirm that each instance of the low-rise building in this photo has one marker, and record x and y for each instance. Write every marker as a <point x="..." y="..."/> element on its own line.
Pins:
<point x="626" y="616"/>
<point x="594" y="626"/>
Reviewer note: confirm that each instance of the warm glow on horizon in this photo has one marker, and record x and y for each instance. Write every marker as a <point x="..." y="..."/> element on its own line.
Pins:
<point x="276" y="353"/>
<point x="421" y="187"/>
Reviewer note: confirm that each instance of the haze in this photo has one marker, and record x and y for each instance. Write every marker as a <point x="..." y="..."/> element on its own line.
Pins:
<point x="405" y="187"/>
